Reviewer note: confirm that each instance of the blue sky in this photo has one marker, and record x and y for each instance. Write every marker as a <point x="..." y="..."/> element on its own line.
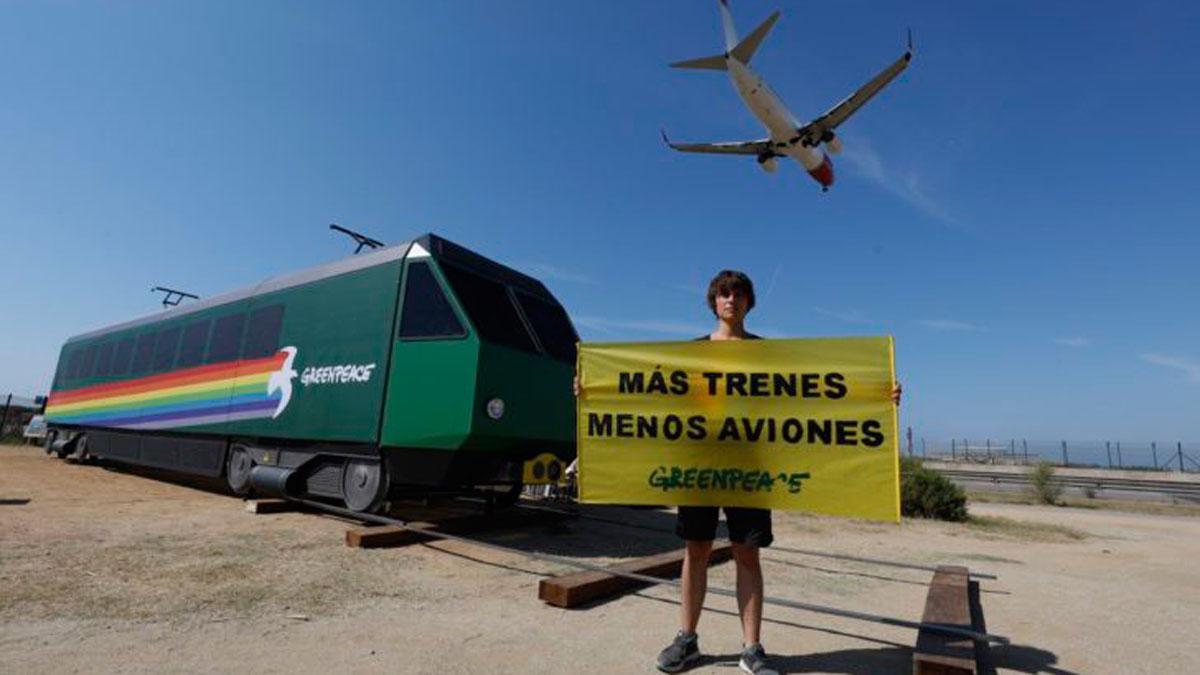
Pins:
<point x="1019" y="209"/>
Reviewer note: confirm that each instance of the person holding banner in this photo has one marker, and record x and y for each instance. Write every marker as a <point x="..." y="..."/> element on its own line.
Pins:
<point x="730" y="297"/>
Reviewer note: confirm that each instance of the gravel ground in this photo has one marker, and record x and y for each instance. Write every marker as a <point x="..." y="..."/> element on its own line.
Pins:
<point x="109" y="571"/>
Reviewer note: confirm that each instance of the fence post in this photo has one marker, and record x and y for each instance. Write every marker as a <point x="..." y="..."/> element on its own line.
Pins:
<point x="1178" y="446"/>
<point x="1025" y="448"/>
<point x="953" y="450"/>
<point x="1064" y="449"/>
<point x="1154" y="449"/>
<point x="910" y="441"/>
<point x="988" y="445"/>
<point x="967" y="450"/>
<point x="1012" y="448"/>
<point x="922" y="446"/>
<point x="1120" y="464"/>
<point x="1108" y="451"/>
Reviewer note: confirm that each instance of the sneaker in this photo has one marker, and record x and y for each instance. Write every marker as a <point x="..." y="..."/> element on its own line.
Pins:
<point x="683" y="650"/>
<point x="754" y="661"/>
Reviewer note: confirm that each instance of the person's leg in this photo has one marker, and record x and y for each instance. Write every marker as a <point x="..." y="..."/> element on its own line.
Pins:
<point x="749" y="530"/>
<point x="749" y="591"/>
<point x="697" y="526"/>
<point x="694" y="582"/>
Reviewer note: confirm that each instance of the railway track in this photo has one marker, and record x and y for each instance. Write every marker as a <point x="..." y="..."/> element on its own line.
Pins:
<point x="1174" y="489"/>
<point x="373" y="519"/>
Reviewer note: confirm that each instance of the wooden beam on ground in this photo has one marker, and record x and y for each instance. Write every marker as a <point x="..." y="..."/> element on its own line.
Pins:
<point x="263" y="506"/>
<point x="573" y="590"/>
<point x="948" y="604"/>
<point x="394" y="535"/>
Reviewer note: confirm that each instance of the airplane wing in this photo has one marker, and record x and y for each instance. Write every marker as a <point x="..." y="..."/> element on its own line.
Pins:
<point x="816" y="130"/>
<point x="759" y="147"/>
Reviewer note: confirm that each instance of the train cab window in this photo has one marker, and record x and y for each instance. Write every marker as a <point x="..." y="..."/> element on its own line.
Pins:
<point x="491" y="309"/>
<point x="165" y="348"/>
<point x="262" y="336"/>
<point x="551" y="325"/>
<point x="89" y="362"/>
<point x="122" y="357"/>
<point x="104" y="359"/>
<point x="226" y="339"/>
<point x="74" y="365"/>
<point x="427" y="312"/>
<point x="195" y="338"/>
<point x="143" y="353"/>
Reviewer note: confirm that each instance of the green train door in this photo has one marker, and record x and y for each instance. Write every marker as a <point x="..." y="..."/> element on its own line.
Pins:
<point x="431" y="380"/>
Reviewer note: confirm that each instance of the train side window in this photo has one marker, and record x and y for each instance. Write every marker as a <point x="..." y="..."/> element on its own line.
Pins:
<point x="227" y="338"/>
<point x="143" y="353"/>
<point x="165" y="348"/>
<point x="195" y="338"/>
<point x="89" y="361"/>
<point x="491" y="309"/>
<point x="74" y="365"/>
<point x="262" y="336"/>
<point x="551" y="325"/>
<point x="426" y="312"/>
<point x="121" y="359"/>
<point x="104" y="359"/>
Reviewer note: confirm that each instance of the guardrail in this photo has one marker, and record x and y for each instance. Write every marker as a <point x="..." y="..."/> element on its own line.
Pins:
<point x="1172" y="488"/>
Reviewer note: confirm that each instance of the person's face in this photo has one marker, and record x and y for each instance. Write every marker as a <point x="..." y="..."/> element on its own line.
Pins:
<point x="731" y="305"/>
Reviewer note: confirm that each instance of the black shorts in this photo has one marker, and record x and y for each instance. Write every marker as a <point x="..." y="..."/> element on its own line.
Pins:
<point x="746" y="526"/>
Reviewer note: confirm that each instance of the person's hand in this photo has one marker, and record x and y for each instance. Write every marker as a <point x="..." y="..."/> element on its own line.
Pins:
<point x="575" y="386"/>
<point x="896" y="391"/>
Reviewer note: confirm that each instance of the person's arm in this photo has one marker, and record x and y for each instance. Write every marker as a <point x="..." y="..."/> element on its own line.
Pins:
<point x="896" y="391"/>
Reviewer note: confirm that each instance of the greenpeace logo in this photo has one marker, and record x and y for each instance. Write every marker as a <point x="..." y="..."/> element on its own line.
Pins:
<point x="337" y="374"/>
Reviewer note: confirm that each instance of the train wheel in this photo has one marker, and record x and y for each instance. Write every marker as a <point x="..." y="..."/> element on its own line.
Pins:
<point x="237" y="470"/>
<point x="68" y="448"/>
<point x="363" y="485"/>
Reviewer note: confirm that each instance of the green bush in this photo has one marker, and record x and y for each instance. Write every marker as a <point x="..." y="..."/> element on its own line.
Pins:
<point x="1044" y="490"/>
<point x="925" y="493"/>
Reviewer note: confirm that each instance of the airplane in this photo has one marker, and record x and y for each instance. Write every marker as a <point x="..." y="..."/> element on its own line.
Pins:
<point x="787" y="138"/>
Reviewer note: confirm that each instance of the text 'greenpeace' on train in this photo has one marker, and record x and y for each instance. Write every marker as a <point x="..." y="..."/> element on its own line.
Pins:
<point x="413" y="367"/>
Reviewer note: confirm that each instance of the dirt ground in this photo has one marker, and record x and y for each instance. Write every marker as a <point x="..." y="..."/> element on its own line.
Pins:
<point x="107" y="571"/>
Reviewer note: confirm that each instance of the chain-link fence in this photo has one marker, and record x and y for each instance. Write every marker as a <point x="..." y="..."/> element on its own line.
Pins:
<point x="1135" y="455"/>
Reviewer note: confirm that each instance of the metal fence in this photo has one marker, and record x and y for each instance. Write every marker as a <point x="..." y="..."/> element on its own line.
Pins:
<point x="1135" y="456"/>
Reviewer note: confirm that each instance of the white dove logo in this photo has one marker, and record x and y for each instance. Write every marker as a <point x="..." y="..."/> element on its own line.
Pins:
<point x="281" y="380"/>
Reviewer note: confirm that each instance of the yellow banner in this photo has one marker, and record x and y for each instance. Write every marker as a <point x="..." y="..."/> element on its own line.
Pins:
<point x="805" y="424"/>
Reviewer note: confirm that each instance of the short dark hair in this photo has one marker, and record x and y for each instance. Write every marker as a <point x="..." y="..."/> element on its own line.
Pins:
<point x="727" y="281"/>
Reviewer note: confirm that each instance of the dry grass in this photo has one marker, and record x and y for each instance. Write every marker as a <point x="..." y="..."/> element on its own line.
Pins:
<point x="1023" y="530"/>
<point x="173" y="576"/>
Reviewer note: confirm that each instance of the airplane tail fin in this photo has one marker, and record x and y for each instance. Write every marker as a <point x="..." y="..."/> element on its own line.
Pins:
<point x="746" y="48"/>
<point x="731" y="38"/>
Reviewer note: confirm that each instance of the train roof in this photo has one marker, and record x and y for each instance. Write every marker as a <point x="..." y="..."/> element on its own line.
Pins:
<point x="436" y="246"/>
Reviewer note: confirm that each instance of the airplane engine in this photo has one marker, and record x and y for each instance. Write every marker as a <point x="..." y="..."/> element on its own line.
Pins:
<point x="768" y="164"/>
<point x="834" y="145"/>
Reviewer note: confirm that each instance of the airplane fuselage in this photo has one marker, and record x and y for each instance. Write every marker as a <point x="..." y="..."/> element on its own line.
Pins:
<point x="781" y="125"/>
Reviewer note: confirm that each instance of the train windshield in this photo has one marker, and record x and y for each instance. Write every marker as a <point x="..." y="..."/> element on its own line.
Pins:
<point x="491" y="309"/>
<point x="552" y="326"/>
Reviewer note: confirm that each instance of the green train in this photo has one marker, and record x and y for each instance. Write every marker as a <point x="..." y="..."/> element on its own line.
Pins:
<point x="420" y="366"/>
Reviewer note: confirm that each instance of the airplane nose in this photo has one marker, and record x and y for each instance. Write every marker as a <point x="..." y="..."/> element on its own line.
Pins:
<point x="823" y="174"/>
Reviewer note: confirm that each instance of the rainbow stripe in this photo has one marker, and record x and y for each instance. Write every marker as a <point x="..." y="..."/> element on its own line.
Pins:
<point x="218" y="392"/>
